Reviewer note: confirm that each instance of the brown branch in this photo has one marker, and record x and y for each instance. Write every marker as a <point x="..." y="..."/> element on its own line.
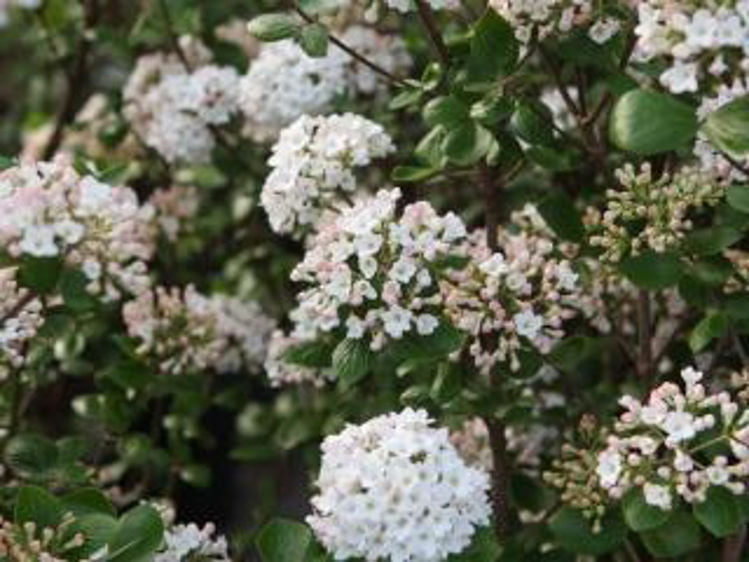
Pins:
<point x="733" y="546"/>
<point x="352" y="53"/>
<point x="76" y="80"/>
<point x="430" y="24"/>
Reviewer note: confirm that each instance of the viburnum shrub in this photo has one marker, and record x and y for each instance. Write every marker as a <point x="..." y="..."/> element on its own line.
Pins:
<point x="381" y="281"/>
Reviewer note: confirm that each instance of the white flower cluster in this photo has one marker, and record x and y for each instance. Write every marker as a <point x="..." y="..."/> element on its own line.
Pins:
<point x="186" y="332"/>
<point x="282" y="372"/>
<point x="515" y="296"/>
<point x="7" y="5"/>
<point x="173" y="109"/>
<point x="174" y="207"/>
<point x="662" y="205"/>
<point x="700" y="40"/>
<point x="20" y="318"/>
<point x="394" y="488"/>
<point x="48" y="210"/>
<point x="657" y="445"/>
<point x="711" y="160"/>
<point x="408" y="5"/>
<point x="544" y="17"/>
<point x="373" y="274"/>
<point x="284" y="83"/>
<point x="313" y="166"/>
<point x="184" y="543"/>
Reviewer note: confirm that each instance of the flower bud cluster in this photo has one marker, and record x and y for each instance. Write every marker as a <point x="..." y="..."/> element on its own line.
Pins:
<point x="394" y="488"/>
<point x="374" y="274"/>
<point x="47" y="210"/>
<point x="183" y="331"/>
<point x="26" y="542"/>
<point x="541" y="18"/>
<point x="700" y="40"/>
<point x="20" y="318"/>
<point x="648" y="213"/>
<point x="313" y="166"/>
<point x="173" y="108"/>
<point x="515" y="297"/>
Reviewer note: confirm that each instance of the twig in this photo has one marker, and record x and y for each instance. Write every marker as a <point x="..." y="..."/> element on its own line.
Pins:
<point x="76" y="78"/>
<point x="733" y="546"/>
<point x="351" y="52"/>
<point x="735" y="163"/>
<point x="173" y="39"/>
<point x="427" y="18"/>
<point x="644" y="335"/>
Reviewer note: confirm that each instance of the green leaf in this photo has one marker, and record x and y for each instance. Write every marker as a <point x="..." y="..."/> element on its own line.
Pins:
<point x="554" y="159"/>
<point x="738" y="197"/>
<point x="652" y="271"/>
<point x="137" y="536"/>
<point x="712" y="326"/>
<point x="720" y="513"/>
<point x="677" y="536"/>
<point x="447" y="111"/>
<point x="352" y="360"/>
<point x="309" y="354"/>
<point x="532" y="122"/>
<point x="405" y="98"/>
<point x="483" y="548"/>
<point x="6" y="162"/>
<point x="712" y="240"/>
<point x="568" y="353"/>
<point x="411" y="174"/>
<point x="40" y="274"/>
<point x="38" y="506"/>
<point x="282" y="540"/>
<point x="728" y="127"/>
<point x="646" y="123"/>
<point x="639" y="515"/>
<point x="737" y="306"/>
<point x="73" y="289"/>
<point x="86" y="501"/>
<point x="433" y="348"/>
<point x="429" y="149"/>
<point x="467" y="144"/>
<point x="314" y="40"/>
<point x="560" y="214"/>
<point x="273" y="27"/>
<point x="493" y="48"/>
<point x="30" y="456"/>
<point x="574" y="533"/>
<point x="97" y="528"/>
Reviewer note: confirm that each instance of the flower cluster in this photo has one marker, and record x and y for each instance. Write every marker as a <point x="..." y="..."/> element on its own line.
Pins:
<point x="648" y="212"/>
<point x="505" y="299"/>
<point x="541" y="18"/>
<point x="20" y="318"/>
<point x="661" y="446"/>
<point x="700" y="39"/>
<point x="375" y="275"/>
<point x="28" y="543"/>
<point x="6" y="5"/>
<point x="284" y="83"/>
<point x="394" y="488"/>
<point x="185" y="332"/>
<point x="669" y="447"/>
<point x="173" y="108"/>
<point x="313" y="166"/>
<point x="408" y="5"/>
<point x="174" y="207"/>
<point x="189" y="542"/>
<point x="281" y="372"/>
<point x="712" y="161"/>
<point x="48" y="210"/>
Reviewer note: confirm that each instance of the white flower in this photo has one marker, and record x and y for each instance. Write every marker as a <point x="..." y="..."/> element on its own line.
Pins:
<point x="397" y="321"/>
<point x="395" y="489"/>
<point x="657" y="496"/>
<point x="495" y="265"/>
<point x="527" y="324"/>
<point x="39" y="241"/>
<point x="609" y="468"/>
<point x="426" y="324"/>
<point x="354" y="327"/>
<point x="190" y="542"/>
<point x="680" y="78"/>
<point x="679" y="426"/>
<point x="403" y="270"/>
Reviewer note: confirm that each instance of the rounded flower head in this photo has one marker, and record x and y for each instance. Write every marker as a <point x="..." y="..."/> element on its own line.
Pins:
<point x="313" y="167"/>
<point x="48" y="210"/>
<point x="190" y="542"/>
<point x="373" y="274"/>
<point x="394" y="488"/>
